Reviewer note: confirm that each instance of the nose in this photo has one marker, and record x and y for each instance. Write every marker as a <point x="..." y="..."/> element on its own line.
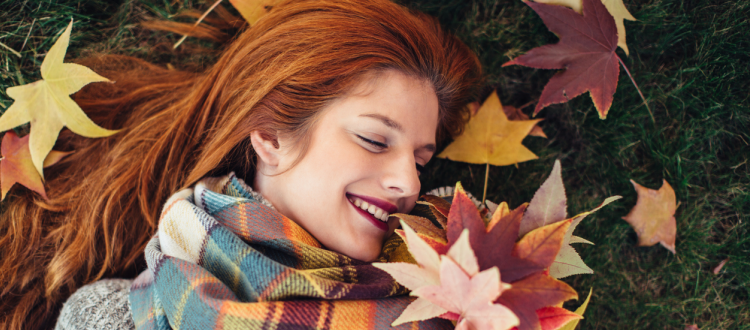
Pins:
<point x="401" y="177"/>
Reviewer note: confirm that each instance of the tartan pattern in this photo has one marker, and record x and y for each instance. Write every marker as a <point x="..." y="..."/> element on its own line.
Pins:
<point x="223" y="260"/>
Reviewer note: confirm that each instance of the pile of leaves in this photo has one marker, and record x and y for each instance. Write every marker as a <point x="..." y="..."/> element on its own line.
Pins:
<point x="474" y="269"/>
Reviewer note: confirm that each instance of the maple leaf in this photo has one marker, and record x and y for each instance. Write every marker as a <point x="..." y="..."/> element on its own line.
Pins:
<point x="579" y="311"/>
<point x="653" y="216"/>
<point x="47" y="106"/>
<point x="615" y="7"/>
<point x="548" y="204"/>
<point x="528" y="295"/>
<point x="252" y="10"/>
<point x="513" y="114"/>
<point x="490" y="138"/>
<point x="568" y="262"/>
<point x="586" y="51"/>
<point x="457" y="288"/>
<point x="16" y="165"/>
<point x="555" y="317"/>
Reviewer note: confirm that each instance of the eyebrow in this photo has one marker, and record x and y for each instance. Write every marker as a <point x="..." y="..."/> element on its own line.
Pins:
<point x="394" y="125"/>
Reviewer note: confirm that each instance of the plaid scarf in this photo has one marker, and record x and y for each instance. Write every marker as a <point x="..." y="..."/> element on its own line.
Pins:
<point x="221" y="259"/>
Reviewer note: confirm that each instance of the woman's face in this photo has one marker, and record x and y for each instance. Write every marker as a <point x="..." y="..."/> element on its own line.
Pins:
<point x="364" y="153"/>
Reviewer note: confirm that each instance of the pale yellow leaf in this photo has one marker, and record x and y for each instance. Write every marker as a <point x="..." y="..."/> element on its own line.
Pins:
<point x="46" y="103"/>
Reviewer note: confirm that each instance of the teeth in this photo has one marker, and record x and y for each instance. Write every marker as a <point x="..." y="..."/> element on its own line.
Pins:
<point x="377" y="212"/>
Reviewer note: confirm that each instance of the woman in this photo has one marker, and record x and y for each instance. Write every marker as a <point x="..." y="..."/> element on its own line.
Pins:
<point x="323" y="106"/>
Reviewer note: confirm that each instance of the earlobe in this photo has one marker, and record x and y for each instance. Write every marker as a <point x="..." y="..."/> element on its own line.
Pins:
<point x="266" y="149"/>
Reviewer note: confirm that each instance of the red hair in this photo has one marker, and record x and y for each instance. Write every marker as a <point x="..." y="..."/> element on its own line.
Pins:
<point x="178" y="127"/>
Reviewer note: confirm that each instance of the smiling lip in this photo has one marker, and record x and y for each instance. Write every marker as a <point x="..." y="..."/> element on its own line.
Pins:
<point x="388" y="207"/>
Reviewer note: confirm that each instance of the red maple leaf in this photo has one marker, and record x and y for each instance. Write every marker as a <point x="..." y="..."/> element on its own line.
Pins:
<point x="586" y="51"/>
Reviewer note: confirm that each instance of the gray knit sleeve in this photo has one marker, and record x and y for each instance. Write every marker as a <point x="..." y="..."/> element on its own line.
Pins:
<point x="100" y="305"/>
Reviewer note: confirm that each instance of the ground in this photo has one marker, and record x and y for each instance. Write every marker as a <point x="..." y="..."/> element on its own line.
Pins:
<point x="690" y="59"/>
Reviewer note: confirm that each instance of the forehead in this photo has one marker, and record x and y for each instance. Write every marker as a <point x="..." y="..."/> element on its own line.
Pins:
<point x="400" y="101"/>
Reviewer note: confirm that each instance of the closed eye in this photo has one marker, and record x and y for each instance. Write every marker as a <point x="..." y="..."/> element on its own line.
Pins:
<point x="376" y="144"/>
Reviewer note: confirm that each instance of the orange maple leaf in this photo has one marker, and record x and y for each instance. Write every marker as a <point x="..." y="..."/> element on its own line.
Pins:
<point x="653" y="216"/>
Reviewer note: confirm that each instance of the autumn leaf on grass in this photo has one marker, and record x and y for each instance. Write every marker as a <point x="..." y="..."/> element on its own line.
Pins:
<point x="615" y="7"/>
<point x="490" y="137"/>
<point x="513" y="114"/>
<point x="522" y="263"/>
<point x="47" y="106"/>
<point x="16" y="165"/>
<point x="586" y="51"/>
<point x="456" y="289"/>
<point x="548" y="206"/>
<point x="582" y="309"/>
<point x="252" y="10"/>
<point x="653" y="216"/>
<point x="568" y="262"/>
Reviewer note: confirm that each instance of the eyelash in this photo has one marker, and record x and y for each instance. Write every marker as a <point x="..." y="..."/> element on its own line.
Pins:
<point x="381" y="146"/>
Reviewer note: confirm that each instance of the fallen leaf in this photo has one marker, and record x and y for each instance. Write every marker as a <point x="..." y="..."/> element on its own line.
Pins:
<point x="653" y="216"/>
<point x="252" y="10"/>
<point x="528" y="295"/>
<point x="542" y="245"/>
<point x="555" y="317"/>
<point x="586" y="51"/>
<point x="692" y="327"/>
<point x="493" y="248"/>
<point x="568" y="262"/>
<point x="47" y="106"/>
<point x="582" y="309"/>
<point x="513" y="114"/>
<point x="548" y="204"/>
<point x="615" y="7"/>
<point x="718" y="268"/>
<point x="16" y="165"/>
<point x="457" y="289"/>
<point x="521" y="264"/>
<point x="491" y="138"/>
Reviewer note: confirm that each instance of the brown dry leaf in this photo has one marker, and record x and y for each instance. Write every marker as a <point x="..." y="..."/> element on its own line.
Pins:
<point x="491" y="138"/>
<point x="16" y="165"/>
<point x="692" y="327"/>
<point x="47" y="105"/>
<point x="653" y="216"/>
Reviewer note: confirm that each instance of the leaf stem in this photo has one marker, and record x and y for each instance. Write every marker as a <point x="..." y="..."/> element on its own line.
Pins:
<point x="486" y="175"/>
<point x="638" y="89"/>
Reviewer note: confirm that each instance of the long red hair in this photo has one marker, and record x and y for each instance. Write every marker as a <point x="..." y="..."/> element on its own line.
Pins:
<point x="178" y="127"/>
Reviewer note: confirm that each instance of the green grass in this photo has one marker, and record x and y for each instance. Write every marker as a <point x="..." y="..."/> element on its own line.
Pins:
<point x="690" y="59"/>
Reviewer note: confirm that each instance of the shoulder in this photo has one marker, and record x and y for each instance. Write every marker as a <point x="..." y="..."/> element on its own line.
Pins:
<point x="99" y="305"/>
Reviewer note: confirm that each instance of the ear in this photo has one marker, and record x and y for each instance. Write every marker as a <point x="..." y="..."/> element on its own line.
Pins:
<point x="269" y="154"/>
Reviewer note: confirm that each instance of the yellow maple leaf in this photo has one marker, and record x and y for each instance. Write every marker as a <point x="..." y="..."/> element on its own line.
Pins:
<point x="615" y="7"/>
<point x="46" y="103"/>
<point x="490" y="138"/>
<point x="252" y="10"/>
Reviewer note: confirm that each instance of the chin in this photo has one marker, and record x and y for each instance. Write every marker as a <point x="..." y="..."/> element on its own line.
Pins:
<point x="362" y="254"/>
